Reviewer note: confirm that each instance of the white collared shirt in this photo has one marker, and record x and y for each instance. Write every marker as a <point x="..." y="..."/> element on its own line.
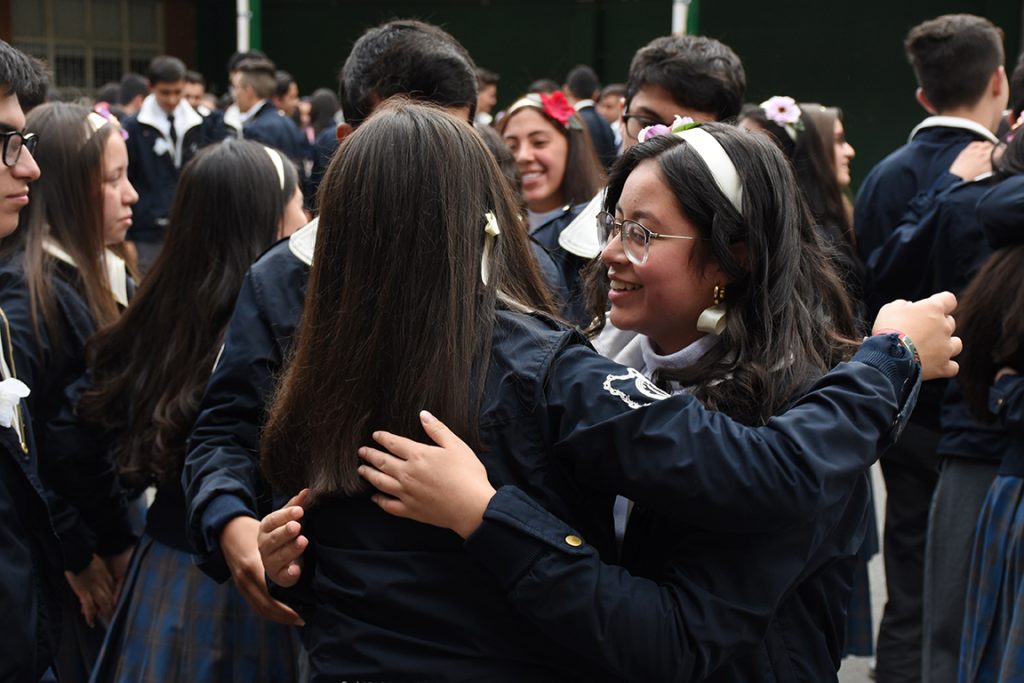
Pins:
<point x="954" y="122"/>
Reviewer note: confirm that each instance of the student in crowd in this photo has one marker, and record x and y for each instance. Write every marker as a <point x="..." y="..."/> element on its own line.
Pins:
<point x="61" y="282"/>
<point x="323" y="111"/>
<point x="29" y="553"/>
<point x="611" y="104"/>
<point x="173" y="623"/>
<point x="543" y="86"/>
<point x="958" y="62"/>
<point x="134" y="89"/>
<point x="486" y="97"/>
<point x="254" y="83"/>
<point x="822" y="167"/>
<point x="194" y="90"/>
<point x="560" y="172"/>
<point x="165" y="134"/>
<point x="286" y="93"/>
<point x="581" y="89"/>
<point x="564" y="425"/>
<point x="225" y="494"/>
<point x="685" y="76"/>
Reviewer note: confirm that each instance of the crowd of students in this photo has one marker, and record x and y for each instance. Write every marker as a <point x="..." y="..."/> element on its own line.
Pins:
<point x="645" y="327"/>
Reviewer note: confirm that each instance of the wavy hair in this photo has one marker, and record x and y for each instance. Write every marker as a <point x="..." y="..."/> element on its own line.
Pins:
<point x="789" y="318"/>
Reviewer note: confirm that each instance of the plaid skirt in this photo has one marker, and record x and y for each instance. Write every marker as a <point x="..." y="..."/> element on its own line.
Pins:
<point x="992" y="645"/>
<point x="174" y="623"/>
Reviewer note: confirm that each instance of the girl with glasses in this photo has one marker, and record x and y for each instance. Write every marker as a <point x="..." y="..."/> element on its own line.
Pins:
<point x="62" y="278"/>
<point x="561" y="429"/>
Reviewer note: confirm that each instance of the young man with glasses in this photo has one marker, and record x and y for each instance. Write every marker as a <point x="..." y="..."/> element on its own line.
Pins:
<point x="29" y="556"/>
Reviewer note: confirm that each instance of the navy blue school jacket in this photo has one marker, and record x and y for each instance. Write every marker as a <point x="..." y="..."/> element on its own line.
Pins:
<point x="601" y="135"/>
<point x="87" y="505"/>
<point x="269" y="126"/>
<point x="386" y="599"/>
<point x="912" y="169"/>
<point x="155" y="176"/>
<point x="1006" y="402"/>
<point x="571" y="298"/>
<point x="30" y="559"/>
<point x="733" y="477"/>
<point x="1001" y="213"/>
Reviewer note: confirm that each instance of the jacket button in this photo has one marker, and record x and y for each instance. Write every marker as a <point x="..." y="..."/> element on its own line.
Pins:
<point x="573" y="540"/>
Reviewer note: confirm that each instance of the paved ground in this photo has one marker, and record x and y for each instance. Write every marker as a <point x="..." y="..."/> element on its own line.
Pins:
<point x="855" y="669"/>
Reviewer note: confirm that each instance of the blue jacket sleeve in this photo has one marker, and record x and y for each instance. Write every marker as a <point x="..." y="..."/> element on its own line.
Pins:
<point x="692" y="464"/>
<point x="221" y="474"/>
<point x="1001" y="213"/>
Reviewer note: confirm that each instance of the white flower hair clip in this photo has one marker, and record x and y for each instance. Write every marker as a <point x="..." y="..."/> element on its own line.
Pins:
<point x="784" y="112"/>
<point x="491" y="232"/>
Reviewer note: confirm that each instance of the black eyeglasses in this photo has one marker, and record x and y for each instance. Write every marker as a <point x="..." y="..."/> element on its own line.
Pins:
<point x="14" y="142"/>
<point x="635" y="123"/>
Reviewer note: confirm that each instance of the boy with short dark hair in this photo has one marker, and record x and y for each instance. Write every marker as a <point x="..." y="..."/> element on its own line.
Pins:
<point x="911" y="197"/>
<point x="162" y="138"/>
<point x="30" y="560"/>
<point x="255" y="81"/>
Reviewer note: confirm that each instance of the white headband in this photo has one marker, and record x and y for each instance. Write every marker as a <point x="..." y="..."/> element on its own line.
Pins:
<point x="718" y="162"/>
<point x="275" y="157"/>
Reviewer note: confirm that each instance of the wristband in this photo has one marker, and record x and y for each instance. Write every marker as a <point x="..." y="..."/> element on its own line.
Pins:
<point x="904" y="339"/>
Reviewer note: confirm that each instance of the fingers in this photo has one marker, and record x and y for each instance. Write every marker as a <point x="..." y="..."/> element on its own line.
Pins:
<point x="957" y="346"/>
<point x="381" y="481"/>
<point x="438" y="431"/>
<point x="383" y="461"/>
<point x="945" y="300"/>
<point x="253" y="588"/>
<point x="279" y="519"/>
<point x="299" y="499"/>
<point x="390" y="505"/>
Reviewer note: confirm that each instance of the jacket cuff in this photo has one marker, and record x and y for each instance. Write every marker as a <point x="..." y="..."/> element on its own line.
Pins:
<point x="889" y="356"/>
<point x="515" y="532"/>
<point x="217" y="514"/>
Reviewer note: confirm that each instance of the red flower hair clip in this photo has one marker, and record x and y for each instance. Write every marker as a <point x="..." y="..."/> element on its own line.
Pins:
<point x="557" y="107"/>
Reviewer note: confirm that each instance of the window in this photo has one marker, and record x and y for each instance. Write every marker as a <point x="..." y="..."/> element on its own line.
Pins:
<point x="89" y="42"/>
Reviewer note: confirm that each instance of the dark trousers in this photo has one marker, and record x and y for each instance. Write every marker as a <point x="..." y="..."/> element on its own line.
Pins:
<point x="959" y="496"/>
<point x="910" y="469"/>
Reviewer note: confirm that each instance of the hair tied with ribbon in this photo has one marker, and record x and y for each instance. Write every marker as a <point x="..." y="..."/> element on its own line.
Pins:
<point x="491" y="232"/>
<point x="101" y="116"/>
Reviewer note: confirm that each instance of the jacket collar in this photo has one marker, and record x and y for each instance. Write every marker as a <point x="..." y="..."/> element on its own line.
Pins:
<point x="302" y="243"/>
<point x="954" y="122"/>
<point x="116" y="273"/>
<point x="185" y="119"/>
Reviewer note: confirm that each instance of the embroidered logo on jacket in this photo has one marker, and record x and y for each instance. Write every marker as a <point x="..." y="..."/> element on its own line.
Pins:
<point x="632" y="381"/>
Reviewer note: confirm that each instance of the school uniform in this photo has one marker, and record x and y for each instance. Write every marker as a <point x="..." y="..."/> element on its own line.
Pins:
<point x="993" y="628"/>
<point x="1001" y="213"/>
<point x="87" y="507"/>
<point x="571" y="297"/>
<point x="600" y="133"/>
<point x="30" y="561"/>
<point x="266" y="124"/>
<point x="537" y="367"/>
<point x="898" y="183"/>
<point x="159" y="145"/>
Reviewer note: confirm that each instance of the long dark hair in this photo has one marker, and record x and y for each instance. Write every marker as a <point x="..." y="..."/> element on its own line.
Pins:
<point x="584" y="176"/>
<point x="813" y="162"/>
<point x="990" y="321"/>
<point x="789" y="319"/>
<point x="396" y="315"/>
<point x="149" y="368"/>
<point x="66" y="207"/>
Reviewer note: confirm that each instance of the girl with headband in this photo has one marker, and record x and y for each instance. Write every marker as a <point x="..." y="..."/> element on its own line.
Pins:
<point x="62" y="278"/>
<point x="559" y="428"/>
<point x="147" y="373"/>
<point x="560" y="173"/>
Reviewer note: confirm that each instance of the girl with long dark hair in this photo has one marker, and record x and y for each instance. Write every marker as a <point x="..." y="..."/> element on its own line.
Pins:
<point x="147" y="373"/>
<point x="385" y="599"/>
<point x="61" y="278"/>
<point x="559" y="173"/>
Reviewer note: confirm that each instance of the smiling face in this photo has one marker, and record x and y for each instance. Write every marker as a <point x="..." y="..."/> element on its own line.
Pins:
<point x="14" y="180"/>
<point x="541" y="152"/>
<point x="844" y="153"/>
<point x="664" y="297"/>
<point x="118" y="193"/>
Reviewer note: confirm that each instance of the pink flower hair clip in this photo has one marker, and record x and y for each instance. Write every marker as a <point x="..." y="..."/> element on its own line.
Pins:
<point x="785" y="113"/>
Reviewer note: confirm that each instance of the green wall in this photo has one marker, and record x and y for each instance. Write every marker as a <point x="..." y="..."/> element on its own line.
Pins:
<point x="839" y="53"/>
